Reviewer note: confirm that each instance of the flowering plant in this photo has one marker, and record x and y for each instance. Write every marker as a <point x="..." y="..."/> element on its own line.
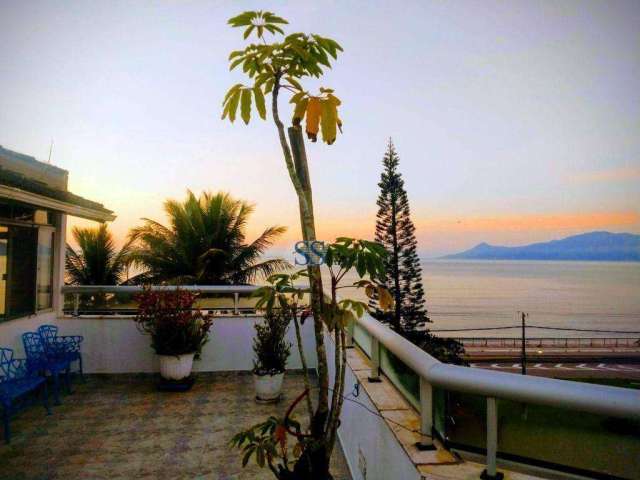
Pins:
<point x="169" y="317"/>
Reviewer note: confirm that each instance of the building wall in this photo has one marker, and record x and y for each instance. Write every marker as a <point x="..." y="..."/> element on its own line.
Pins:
<point x="370" y="447"/>
<point x="11" y="330"/>
<point x="116" y="346"/>
<point x="29" y="167"/>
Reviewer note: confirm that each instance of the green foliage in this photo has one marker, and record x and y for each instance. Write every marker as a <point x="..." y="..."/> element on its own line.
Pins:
<point x="269" y="345"/>
<point x="395" y="232"/>
<point x="267" y="442"/>
<point x="204" y="244"/>
<point x="97" y="261"/>
<point x="272" y="66"/>
<point x="176" y="327"/>
<point x="281" y="292"/>
<point x="365" y="256"/>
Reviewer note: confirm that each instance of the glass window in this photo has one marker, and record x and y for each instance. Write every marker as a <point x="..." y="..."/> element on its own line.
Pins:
<point x="45" y="268"/>
<point x="21" y="275"/>
<point x="26" y="269"/>
<point x="4" y="251"/>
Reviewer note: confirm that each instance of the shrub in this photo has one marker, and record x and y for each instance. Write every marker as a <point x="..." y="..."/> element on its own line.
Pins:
<point x="269" y="345"/>
<point x="169" y="317"/>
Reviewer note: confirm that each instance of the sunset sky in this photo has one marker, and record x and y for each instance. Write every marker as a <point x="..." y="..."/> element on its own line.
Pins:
<point x="514" y="121"/>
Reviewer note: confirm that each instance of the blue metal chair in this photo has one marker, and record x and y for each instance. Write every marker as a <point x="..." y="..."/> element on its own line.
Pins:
<point x="38" y="360"/>
<point x="62" y="346"/>
<point x="17" y="380"/>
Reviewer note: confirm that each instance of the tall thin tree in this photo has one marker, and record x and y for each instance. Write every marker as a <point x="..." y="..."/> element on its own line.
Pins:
<point x="395" y="230"/>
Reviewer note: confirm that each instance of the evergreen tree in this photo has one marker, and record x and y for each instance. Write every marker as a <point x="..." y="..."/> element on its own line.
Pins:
<point x="395" y="230"/>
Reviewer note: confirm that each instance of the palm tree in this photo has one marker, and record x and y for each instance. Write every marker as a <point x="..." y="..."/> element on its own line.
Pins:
<point x="204" y="244"/>
<point x="97" y="261"/>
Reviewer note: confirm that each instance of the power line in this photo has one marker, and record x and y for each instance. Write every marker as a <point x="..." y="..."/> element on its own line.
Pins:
<point x="535" y="326"/>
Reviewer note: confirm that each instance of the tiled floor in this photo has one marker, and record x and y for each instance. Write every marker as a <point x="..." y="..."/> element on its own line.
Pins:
<point x="120" y="427"/>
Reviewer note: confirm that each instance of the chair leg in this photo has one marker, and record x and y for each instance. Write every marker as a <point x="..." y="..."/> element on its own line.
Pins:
<point x="67" y="379"/>
<point x="5" y="421"/>
<point x="45" y="397"/>
<point x="81" y="370"/>
<point x="56" y="388"/>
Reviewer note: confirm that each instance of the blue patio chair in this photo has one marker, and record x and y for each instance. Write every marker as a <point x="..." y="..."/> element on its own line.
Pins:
<point x="16" y="381"/>
<point x="38" y="360"/>
<point x="64" y="346"/>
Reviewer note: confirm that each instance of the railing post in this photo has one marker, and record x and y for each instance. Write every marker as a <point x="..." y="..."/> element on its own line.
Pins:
<point x="375" y="360"/>
<point x="76" y="304"/>
<point x="491" y="472"/>
<point x="426" y="416"/>
<point x="236" y="300"/>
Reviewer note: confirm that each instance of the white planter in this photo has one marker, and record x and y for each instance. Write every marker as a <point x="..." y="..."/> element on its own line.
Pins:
<point x="268" y="387"/>
<point x="174" y="367"/>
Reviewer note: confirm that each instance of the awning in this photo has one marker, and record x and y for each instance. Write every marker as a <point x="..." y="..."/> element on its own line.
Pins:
<point x="98" y="213"/>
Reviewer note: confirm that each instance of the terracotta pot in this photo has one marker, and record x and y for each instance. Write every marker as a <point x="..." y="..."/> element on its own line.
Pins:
<point x="176" y="367"/>
<point x="268" y="387"/>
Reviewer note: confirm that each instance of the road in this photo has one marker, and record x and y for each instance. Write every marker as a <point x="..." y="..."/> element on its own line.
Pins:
<point x="567" y="369"/>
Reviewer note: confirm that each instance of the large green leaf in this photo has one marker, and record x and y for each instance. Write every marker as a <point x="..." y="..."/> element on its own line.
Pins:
<point x="245" y="105"/>
<point x="260" y="106"/>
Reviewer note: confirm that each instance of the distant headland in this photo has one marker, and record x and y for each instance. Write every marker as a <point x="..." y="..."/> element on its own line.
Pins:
<point x="592" y="246"/>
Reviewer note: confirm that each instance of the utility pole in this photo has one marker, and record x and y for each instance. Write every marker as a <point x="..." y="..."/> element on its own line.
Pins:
<point x="524" y="343"/>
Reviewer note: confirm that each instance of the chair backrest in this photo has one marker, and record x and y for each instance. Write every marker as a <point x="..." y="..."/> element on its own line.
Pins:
<point x="6" y="359"/>
<point x="48" y="333"/>
<point x="34" y="347"/>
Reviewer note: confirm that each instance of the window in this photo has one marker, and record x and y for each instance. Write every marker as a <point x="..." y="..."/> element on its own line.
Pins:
<point x="45" y="268"/>
<point x="21" y="271"/>
<point x="26" y="260"/>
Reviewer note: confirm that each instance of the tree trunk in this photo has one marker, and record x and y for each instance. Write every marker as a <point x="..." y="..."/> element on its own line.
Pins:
<point x="314" y="462"/>
<point x="396" y="268"/>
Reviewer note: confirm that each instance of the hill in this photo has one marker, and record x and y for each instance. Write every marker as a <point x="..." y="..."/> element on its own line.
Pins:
<point x="602" y="246"/>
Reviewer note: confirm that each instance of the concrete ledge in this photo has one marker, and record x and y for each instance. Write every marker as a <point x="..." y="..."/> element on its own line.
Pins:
<point x="403" y="421"/>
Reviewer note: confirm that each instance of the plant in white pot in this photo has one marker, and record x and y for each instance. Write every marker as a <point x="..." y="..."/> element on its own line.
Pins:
<point x="271" y="354"/>
<point x="178" y="330"/>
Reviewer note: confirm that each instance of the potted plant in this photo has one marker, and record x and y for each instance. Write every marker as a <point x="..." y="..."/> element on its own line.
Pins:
<point x="271" y="354"/>
<point x="177" y="329"/>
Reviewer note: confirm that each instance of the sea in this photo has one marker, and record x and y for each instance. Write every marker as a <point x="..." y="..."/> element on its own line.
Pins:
<point x="480" y="294"/>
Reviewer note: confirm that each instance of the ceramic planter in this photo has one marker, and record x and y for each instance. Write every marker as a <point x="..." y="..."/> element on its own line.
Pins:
<point x="176" y="367"/>
<point x="268" y="387"/>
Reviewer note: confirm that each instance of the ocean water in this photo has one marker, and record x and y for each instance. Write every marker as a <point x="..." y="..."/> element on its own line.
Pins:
<point x="478" y="294"/>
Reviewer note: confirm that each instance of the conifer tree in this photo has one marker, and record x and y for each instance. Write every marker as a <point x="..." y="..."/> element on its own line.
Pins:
<point x="395" y="230"/>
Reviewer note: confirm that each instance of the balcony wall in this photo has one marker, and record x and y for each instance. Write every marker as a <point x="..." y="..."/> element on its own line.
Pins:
<point x="114" y="345"/>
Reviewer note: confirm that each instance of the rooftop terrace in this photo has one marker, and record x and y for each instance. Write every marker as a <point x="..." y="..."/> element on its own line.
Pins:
<point x="120" y="427"/>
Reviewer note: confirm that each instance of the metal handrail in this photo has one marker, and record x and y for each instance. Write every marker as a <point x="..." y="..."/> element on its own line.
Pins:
<point x="236" y="290"/>
<point x="585" y="397"/>
<point x="140" y="288"/>
<point x="599" y="399"/>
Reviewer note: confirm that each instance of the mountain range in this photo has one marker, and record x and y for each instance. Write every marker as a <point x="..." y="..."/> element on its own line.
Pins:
<point x="602" y="246"/>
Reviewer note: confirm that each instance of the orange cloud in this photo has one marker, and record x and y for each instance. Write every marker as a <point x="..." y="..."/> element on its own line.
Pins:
<point x="532" y="222"/>
<point x="457" y="229"/>
<point x="619" y="174"/>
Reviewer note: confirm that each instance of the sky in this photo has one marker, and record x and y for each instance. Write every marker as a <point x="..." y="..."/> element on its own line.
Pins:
<point x="514" y="121"/>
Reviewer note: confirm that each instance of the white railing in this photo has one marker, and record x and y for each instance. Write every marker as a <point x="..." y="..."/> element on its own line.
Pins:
<point x="78" y="290"/>
<point x="583" y="397"/>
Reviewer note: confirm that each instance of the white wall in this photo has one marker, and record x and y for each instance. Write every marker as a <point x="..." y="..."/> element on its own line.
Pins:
<point x="116" y="346"/>
<point x="11" y="330"/>
<point x="366" y="439"/>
